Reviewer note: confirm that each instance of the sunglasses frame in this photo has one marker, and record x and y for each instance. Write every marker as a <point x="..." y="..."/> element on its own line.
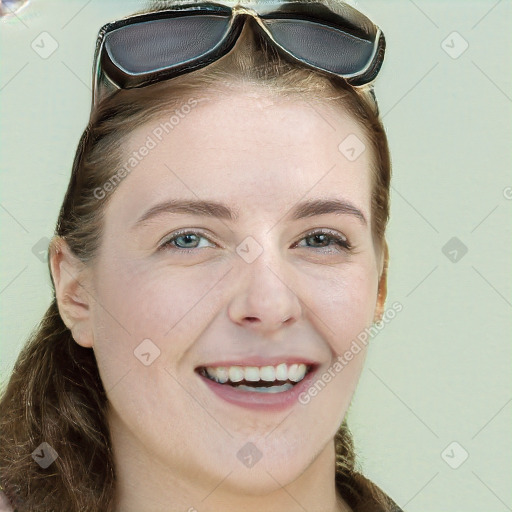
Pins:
<point x="107" y="75"/>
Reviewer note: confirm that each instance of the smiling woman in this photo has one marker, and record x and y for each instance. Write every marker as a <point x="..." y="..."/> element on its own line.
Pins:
<point x="223" y="271"/>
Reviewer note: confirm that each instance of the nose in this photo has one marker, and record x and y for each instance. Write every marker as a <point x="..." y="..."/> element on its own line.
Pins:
<point x="265" y="300"/>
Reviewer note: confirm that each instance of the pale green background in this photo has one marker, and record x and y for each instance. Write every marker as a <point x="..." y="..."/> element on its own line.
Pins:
<point x="440" y="371"/>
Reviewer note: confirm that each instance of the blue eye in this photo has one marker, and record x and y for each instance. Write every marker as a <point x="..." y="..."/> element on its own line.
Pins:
<point x="326" y="239"/>
<point x="184" y="241"/>
<point x="188" y="241"/>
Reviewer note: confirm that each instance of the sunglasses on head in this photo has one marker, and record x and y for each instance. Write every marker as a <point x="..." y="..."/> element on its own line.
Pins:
<point x="147" y="48"/>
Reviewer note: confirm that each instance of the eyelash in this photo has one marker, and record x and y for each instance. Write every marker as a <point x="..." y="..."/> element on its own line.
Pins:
<point x="339" y="240"/>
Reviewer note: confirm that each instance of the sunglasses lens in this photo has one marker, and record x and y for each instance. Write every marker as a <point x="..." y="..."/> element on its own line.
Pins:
<point x="322" y="46"/>
<point x="155" y="45"/>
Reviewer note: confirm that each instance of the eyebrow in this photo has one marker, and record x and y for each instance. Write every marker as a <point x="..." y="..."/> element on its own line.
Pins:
<point x="220" y="211"/>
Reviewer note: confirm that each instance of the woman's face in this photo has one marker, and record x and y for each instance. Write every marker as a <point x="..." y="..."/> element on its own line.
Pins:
<point x="267" y="287"/>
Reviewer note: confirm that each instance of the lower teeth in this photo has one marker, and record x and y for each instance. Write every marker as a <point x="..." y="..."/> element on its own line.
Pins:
<point x="271" y="389"/>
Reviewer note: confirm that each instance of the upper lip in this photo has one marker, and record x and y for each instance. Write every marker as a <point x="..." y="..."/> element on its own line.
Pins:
<point x="260" y="361"/>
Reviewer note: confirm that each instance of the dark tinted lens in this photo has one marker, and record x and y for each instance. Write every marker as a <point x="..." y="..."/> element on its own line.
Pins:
<point x="153" y="45"/>
<point x="322" y="46"/>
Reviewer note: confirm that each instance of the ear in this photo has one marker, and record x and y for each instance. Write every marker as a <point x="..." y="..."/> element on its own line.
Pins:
<point x="383" y="283"/>
<point x="71" y="280"/>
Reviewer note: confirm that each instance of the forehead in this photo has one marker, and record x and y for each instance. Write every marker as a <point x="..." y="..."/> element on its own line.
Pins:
<point x="244" y="145"/>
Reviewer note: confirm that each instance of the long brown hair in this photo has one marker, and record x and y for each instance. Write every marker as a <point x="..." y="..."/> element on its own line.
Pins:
<point x="55" y="394"/>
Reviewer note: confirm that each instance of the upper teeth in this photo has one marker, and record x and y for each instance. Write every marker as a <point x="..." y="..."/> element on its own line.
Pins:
<point x="293" y="372"/>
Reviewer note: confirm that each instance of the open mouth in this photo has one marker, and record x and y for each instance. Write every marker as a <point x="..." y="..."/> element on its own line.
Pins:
<point x="260" y="379"/>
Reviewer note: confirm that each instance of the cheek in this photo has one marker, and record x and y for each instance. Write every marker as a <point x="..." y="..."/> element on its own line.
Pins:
<point x="153" y="301"/>
<point x="344" y="303"/>
<point x="342" y="307"/>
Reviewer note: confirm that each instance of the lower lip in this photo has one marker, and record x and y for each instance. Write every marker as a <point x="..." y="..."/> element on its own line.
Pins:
<point x="261" y="401"/>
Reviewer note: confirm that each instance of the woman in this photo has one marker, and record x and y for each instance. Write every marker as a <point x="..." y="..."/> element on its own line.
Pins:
<point x="220" y="248"/>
